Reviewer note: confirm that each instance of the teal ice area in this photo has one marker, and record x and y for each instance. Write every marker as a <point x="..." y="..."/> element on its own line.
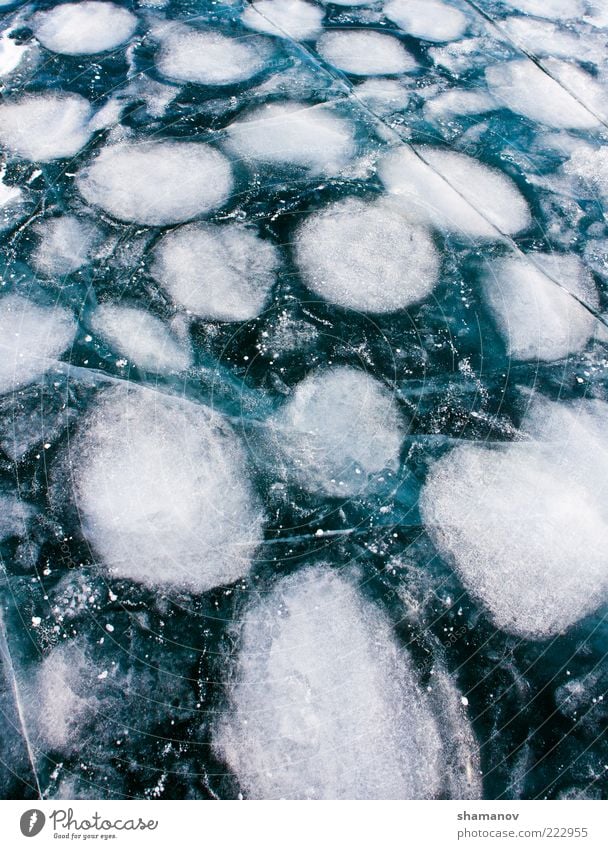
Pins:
<point x="304" y="399"/>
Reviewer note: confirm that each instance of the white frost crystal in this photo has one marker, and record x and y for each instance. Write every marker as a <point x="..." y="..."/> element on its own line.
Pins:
<point x="32" y="337"/>
<point x="537" y="318"/>
<point x="43" y="127"/>
<point x="157" y="183"/>
<point x="210" y="58"/>
<point x="220" y="272"/>
<point x="365" y="53"/>
<point x="454" y="192"/>
<point x="84" y="28"/>
<point x="291" y="133"/>
<point x="140" y="337"/>
<point x="366" y="256"/>
<point x="339" y="432"/>
<point x="324" y="704"/>
<point x="526" y="524"/>
<point x="162" y="489"/>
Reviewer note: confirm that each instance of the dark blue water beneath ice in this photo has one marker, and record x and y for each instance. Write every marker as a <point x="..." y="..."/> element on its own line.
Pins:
<point x="443" y="359"/>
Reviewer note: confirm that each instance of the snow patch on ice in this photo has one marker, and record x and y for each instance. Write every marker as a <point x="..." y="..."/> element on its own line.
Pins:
<point x="455" y="192"/>
<point x="382" y="96"/>
<point x="557" y="10"/>
<point x="339" y="431"/>
<point x="324" y="704"/>
<point x="210" y="58"/>
<point x="427" y="19"/>
<point x="43" y="127"/>
<point x="286" y="18"/>
<point x="11" y="54"/>
<point x="140" y="337"/>
<point x="223" y="273"/>
<point x="84" y="28"/>
<point x="366" y="256"/>
<point x="292" y="133"/>
<point x="514" y="520"/>
<point x="456" y="102"/>
<point x="567" y="101"/>
<point x="31" y="339"/>
<point x="365" y="53"/>
<point x="65" y="244"/>
<point x="162" y="487"/>
<point x="543" y="38"/>
<point x="156" y="183"/>
<point x="538" y="319"/>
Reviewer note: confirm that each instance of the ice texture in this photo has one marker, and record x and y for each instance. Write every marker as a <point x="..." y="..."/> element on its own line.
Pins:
<point x="157" y="183"/>
<point x="366" y="256"/>
<point x="286" y="18"/>
<point x="427" y="19"/>
<point x="557" y="10"/>
<point x="324" y="704"/>
<point x="221" y="272"/>
<point x="339" y="432"/>
<point x="587" y="169"/>
<point x="64" y="245"/>
<point x="537" y="319"/>
<point x="162" y="488"/>
<point x="11" y="54"/>
<point x="382" y="96"/>
<point x="84" y="28"/>
<point x="563" y="96"/>
<point x="43" y="127"/>
<point x="455" y="192"/>
<point x="544" y="38"/>
<point x="140" y="337"/>
<point x="32" y="337"/>
<point x="365" y="53"/>
<point x="291" y="133"/>
<point x="455" y="102"/>
<point x="525" y="524"/>
<point x="210" y="58"/>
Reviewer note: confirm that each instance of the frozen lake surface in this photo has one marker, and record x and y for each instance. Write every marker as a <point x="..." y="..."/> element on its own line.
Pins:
<point x="303" y="399"/>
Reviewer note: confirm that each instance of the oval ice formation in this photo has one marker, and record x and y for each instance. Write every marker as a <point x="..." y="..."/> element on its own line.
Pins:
<point x="557" y="10"/>
<point x="427" y="19"/>
<point x="218" y="272"/>
<point x="525" y="525"/>
<point x="84" y="28"/>
<point x="210" y="58"/>
<point x="563" y="96"/>
<point x="366" y="256"/>
<point x="43" y="127"/>
<point x="339" y="432"/>
<point x="140" y="337"/>
<point x="365" y="53"/>
<point x="64" y="245"/>
<point x="292" y="133"/>
<point x="163" y="493"/>
<point x="544" y="38"/>
<point x="455" y="192"/>
<point x="324" y="704"/>
<point x="31" y="339"/>
<point x="537" y="319"/>
<point x="156" y="183"/>
<point x="286" y="18"/>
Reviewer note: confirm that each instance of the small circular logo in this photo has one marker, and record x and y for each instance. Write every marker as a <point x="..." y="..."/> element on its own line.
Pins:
<point x="32" y="822"/>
